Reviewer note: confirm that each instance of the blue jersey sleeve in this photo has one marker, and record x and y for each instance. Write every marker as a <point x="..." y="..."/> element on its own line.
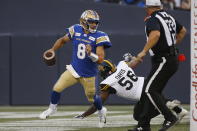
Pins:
<point x="103" y="40"/>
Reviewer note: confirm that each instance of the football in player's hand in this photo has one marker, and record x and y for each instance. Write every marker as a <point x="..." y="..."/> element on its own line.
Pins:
<point x="49" y="57"/>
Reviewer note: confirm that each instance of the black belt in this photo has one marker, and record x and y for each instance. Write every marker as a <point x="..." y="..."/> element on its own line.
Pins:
<point x="172" y="52"/>
<point x="165" y="55"/>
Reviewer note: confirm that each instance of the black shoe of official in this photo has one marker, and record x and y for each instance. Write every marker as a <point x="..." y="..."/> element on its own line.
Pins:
<point x="140" y="129"/>
<point x="168" y="124"/>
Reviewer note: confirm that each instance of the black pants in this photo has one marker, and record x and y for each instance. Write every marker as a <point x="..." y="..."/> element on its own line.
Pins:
<point x="152" y="101"/>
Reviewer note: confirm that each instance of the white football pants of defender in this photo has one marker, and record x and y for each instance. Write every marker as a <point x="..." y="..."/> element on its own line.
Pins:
<point x="67" y="79"/>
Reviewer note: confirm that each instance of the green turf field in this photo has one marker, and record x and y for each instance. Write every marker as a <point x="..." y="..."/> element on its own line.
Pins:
<point x="119" y="118"/>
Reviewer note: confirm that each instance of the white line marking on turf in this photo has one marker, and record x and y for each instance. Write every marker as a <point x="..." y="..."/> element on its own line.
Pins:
<point x="62" y="124"/>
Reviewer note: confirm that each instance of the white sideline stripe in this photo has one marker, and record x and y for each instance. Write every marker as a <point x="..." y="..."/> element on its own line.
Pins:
<point x="150" y="82"/>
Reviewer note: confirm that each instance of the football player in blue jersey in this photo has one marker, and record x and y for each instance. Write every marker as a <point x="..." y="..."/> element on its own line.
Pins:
<point x="88" y="51"/>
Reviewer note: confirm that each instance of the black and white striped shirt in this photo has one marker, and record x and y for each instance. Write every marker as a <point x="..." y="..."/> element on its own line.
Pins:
<point x="168" y="27"/>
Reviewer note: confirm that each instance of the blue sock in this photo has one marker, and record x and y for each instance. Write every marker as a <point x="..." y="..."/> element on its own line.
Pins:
<point x="55" y="97"/>
<point x="98" y="102"/>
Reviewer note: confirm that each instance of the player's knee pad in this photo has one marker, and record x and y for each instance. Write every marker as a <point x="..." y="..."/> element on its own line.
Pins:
<point x="97" y="102"/>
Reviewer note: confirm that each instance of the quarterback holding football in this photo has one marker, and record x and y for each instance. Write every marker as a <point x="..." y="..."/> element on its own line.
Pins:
<point x="88" y="51"/>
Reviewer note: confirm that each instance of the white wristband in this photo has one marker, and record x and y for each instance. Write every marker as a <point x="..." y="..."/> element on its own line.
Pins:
<point x="93" y="57"/>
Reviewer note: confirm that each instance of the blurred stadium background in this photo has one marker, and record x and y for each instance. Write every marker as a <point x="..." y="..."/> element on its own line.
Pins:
<point x="29" y="27"/>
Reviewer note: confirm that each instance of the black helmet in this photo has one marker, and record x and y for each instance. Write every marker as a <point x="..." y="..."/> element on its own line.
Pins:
<point x="106" y="68"/>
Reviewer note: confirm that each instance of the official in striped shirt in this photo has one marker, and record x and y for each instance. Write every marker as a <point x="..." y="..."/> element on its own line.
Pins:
<point x="163" y="34"/>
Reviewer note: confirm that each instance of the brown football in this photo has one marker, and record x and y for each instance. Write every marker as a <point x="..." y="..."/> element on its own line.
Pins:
<point x="49" y="58"/>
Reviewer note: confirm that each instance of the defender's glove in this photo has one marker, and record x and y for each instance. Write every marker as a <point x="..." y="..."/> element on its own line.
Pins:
<point x="79" y="116"/>
<point x="127" y="57"/>
<point x="49" y="57"/>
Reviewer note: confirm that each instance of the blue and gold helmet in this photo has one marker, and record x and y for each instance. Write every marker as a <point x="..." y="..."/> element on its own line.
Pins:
<point x="106" y="68"/>
<point x="88" y="17"/>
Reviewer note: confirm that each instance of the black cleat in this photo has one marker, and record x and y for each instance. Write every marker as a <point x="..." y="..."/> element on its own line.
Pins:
<point x="168" y="124"/>
<point x="140" y="129"/>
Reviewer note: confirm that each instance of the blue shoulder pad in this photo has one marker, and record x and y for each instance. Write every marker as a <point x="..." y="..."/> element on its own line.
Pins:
<point x="72" y="29"/>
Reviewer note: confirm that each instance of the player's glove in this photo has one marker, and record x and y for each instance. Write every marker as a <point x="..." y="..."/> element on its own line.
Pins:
<point x="79" y="116"/>
<point x="127" y="57"/>
<point x="49" y="57"/>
